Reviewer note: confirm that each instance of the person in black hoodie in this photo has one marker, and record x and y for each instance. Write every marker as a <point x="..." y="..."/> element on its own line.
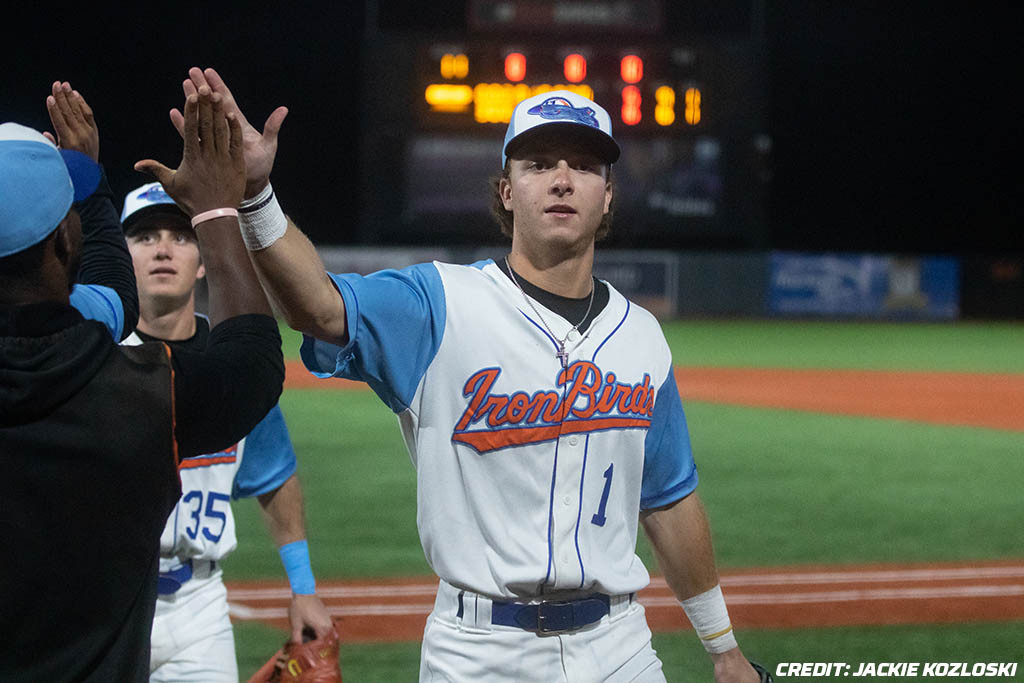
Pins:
<point x="91" y="433"/>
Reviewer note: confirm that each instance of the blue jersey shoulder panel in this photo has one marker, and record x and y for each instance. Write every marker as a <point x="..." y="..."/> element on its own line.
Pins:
<point x="100" y="303"/>
<point x="395" y="322"/>
<point x="268" y="459"/>
<point x="669" y="470"/>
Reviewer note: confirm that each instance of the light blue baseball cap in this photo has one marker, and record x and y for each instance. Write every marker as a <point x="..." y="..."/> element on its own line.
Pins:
<point x="565" y="111"/>
<point x="38" y="183"/>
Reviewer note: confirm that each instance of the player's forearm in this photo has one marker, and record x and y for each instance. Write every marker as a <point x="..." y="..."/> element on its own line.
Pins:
<point x="294" y="277"/>
<point x="283" y="512"/>
<point x="233" y="285"/>
<point x="681" y="539"/>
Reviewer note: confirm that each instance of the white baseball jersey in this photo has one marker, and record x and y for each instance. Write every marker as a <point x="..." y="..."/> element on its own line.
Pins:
<point x="530" y="476"/>
<point x="202" y="526"/>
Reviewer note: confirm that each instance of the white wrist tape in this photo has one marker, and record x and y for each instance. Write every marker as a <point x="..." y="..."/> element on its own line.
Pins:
<point x="261" y="220"/>
<point x="710" y="619"/>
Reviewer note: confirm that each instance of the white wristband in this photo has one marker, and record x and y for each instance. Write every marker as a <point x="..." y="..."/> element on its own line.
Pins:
<point x="710" y="619"/>
<point x="261" y="220"/>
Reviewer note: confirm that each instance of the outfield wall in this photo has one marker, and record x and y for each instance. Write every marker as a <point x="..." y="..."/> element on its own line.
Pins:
<point x="771" y="284"/>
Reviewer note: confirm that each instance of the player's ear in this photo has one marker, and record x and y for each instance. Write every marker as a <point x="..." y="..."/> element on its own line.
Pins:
<point x="67" y="245"/>
<point x="608" y="193"/>
<point x="200" y="272"/>
<point x="505" y="192"/>
<point x="68" y="238"/>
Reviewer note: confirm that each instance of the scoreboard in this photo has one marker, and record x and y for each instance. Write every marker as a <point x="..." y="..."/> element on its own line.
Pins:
<point x="642" y="88"/>
<point x="686" y="111"/>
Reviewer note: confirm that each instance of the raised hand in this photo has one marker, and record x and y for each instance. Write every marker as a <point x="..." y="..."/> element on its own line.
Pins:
<point x="72" y="121"/>
<point x="259" y="148"/>
<point x="212" y="170"/>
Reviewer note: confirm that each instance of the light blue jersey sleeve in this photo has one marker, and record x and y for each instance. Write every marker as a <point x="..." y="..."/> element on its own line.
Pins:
<point x="268" y="459"/>
<point x="96" y="302"/>
<point x="669" y="470"/>
<point x="395" y="323"/>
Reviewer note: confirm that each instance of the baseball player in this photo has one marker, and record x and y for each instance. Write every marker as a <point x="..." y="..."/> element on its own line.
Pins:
<point x="538" y="405"/>
<point x="192" y="637"/>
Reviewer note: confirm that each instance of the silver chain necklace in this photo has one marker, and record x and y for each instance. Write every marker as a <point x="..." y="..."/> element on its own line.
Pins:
<point x="561" y="354"/>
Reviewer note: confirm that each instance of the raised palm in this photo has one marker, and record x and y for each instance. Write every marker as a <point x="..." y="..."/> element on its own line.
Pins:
<point x="259" y="149"/>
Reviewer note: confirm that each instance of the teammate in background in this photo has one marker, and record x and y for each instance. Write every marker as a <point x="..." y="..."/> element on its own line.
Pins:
<point x="90" y="433"/>
<point x="192" y="636"/>
<point x="539" y="407"/>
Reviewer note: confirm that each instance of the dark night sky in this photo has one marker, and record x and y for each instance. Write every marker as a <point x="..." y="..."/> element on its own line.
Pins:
<point x="897" y="128"/>
<point x="894" y="124"/>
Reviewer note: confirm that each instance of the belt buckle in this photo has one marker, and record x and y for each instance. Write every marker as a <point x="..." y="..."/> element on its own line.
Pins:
<point x="555" y="617"/>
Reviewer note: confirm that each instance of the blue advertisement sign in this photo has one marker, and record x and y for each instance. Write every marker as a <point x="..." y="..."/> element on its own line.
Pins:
<point x="864" y="285"/>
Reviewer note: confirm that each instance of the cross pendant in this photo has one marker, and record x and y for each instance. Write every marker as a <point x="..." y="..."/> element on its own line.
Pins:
<point x="563" y="356"/>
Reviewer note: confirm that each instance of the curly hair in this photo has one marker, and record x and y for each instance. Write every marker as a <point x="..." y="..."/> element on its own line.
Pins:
<point x="504" y="217"/>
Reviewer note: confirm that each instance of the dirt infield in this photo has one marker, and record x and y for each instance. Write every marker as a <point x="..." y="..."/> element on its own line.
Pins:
<point x="391" y="610"/>
<point x="959" y="398"/>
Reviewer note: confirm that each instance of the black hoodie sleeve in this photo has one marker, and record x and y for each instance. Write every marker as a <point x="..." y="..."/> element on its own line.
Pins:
<point x="105" y="257"/>
<point x="221" y="393"/>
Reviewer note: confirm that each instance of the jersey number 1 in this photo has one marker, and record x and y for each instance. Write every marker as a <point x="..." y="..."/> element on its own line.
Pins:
<point x="599" y="518"/>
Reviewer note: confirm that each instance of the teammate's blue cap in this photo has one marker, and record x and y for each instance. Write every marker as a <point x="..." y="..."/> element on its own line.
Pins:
<point x="573" y="114"/>
<point x="145" y="200"/>
<point x="38" y="183"/>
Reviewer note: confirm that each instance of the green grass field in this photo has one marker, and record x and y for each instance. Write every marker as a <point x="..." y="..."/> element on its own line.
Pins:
<point x="781" y="488"/>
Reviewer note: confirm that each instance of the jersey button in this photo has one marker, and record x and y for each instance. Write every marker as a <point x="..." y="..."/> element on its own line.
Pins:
<point x="567" y="500"/>
<point x="573" y="441"/>
<point x="573" y="336"/>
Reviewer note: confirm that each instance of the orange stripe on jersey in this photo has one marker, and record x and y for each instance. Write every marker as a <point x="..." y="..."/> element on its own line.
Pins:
<point x="598" y="424"/>
<point x="493" y="439"/>
<point x="174" y="417"/>
<point x="206" y="461"/>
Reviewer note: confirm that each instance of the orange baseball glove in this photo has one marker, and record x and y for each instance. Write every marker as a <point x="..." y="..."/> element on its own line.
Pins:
<point x="311" y="661"/>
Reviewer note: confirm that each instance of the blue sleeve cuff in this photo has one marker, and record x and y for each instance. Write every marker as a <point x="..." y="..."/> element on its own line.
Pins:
<point x="268" y="457"/>
<point x="677" y="492"/>
<point x="100" y="303"/>
<point x="395" y="321"/>
<point x="669" y="469"/>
